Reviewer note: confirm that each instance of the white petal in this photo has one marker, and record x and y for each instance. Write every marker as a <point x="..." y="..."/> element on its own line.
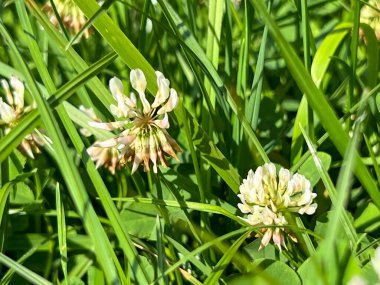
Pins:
<point x="88" y="111"/>
<point x="116" y="87"/>
<point x="8" y="93"/>
<point x="171" y="104"/>
<point x="138" y="80"/>
<point x="163" y="90"/>
<point x="18" y="92"/>
<point x="7" y="113"/>
<point x="145" y="103"/>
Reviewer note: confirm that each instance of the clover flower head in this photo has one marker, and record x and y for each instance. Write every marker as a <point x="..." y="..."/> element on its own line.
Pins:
<point x="143" y="137"/>
<point x="72" y="17"/>
<point x="13" y="109"/>
<point x="266" y="197"/>
<point x="370" y="14"/>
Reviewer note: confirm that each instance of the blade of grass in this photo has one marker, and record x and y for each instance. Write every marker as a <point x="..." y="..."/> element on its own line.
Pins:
<point x="253" y="106"/>
<point x="343" y="188"/>
<point x="186" y="205"/>
<point x="61" y="225"/>
<point x="160" y="251"/>
<point x="103" y="9"/>
<point x="347" y="225"/>
<point x="24" y="272"/>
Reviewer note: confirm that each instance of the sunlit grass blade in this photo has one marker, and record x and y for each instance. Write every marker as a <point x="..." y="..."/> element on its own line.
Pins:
<point x="347" y="225"/>
<point x="61" y="224"/>
<point x="24" y="272"/>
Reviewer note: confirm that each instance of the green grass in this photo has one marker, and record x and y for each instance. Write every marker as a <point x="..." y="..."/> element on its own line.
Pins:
<point x="288" y="82"/>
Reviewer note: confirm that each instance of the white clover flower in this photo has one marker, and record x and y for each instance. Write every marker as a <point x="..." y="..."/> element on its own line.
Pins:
<point x="71" y="15"/>
<point x="143" y="137"/>
<point x="13" y="109"/>
<point x="265" y="198"/>
<point x="370" y="15"/>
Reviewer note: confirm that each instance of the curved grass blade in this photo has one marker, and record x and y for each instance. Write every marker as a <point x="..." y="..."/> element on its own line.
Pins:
<point x="102" y="9"/>
<point x="186" y="205"/>
<point x="347" y="225"/>
<point x="24" y="272"/>
<point x="61" y="225"/>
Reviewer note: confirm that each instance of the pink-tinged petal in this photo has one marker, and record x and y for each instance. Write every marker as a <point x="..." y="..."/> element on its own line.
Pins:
<point x="161" y="157"/>
<point x="126" y="139"/>
<point x="131" y="102"/>
<point x="138" y="80"/>
<point x="153" y="152"/>
<point x="165" y="146"/>
<point x="7" y="90"/>
<point x="18" y="92"/>
<point x="278" y="239"/>
<point x="26" y="147"/>
<point x="145" y="152"/>
<point x="266" y="238"/>
<point x="163" y="90"/>
<point x="171" y="104"/>
<point x="7" y="114"/>
<point x="164" y="123"/>
<point x="107" y="143"/>
<point x="108" y="126"/>
<point x="138" y="154"/>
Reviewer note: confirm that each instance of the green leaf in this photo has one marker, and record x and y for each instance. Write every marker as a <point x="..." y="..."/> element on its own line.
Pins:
<point x="272" y="272"/>
<point x="309" y="169"/>
<point x="140" y="220"/>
